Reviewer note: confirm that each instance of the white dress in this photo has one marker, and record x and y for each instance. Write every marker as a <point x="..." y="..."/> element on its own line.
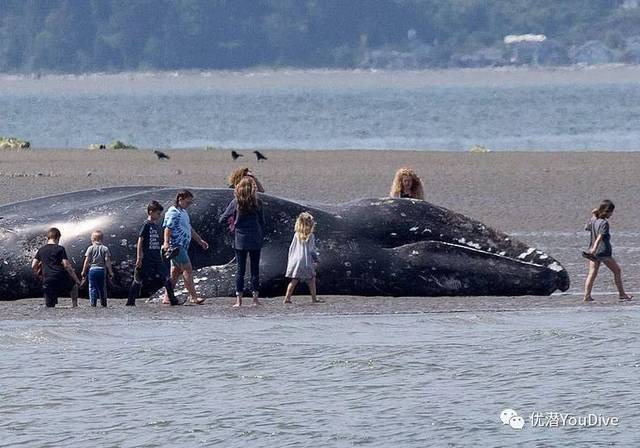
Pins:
<point x="302" y="255"/>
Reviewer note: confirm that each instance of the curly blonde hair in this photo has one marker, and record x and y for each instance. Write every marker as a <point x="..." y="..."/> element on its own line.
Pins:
<point x="304" y="226"/>
<point x="416" y="184"/>
<point x="245" y="194"/>
<point x="236" y="175"/>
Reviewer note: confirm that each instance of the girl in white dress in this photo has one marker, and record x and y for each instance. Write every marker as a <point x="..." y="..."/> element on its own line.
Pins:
<point x="303" y="257"/>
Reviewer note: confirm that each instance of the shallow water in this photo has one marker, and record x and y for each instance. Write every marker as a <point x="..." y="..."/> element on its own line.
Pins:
<point x="330" y="111"/>
<point x="567" y="246"/>
<point x="405" y="380"/>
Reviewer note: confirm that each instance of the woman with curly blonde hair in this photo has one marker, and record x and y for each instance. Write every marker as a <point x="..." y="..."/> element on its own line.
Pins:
<point x="238" y="174"/>
<point x="248" y="222"/>
<point x="406" y="184"/>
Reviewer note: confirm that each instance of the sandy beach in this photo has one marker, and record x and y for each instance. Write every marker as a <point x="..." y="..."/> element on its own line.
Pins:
<point x="542" y="198"/>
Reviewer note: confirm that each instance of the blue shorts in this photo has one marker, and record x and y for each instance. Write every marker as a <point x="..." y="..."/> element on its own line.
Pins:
<point x="182" y="259"/>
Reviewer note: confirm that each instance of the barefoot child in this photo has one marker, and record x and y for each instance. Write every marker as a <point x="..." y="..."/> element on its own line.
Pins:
<point x="600" y="250"/>
<point x="97" y="264"/>
<point x="151" y="270"/>
<point x="303" y="257"/>
<point x="178" y="233"/>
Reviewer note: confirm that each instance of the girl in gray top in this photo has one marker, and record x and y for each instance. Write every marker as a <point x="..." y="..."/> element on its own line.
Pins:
<point x="600" y="250"/>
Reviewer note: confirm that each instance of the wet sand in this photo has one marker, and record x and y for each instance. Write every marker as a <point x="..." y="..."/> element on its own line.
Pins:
<point x="526" y="193"/>
<point x="302" y="306"/>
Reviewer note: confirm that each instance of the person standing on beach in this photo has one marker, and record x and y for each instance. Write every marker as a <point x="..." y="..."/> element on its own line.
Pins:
<point x="178" y="234"/>
<point x="248" y="227"/>
<point x="238" y="174"/>
<point x="151" y="270"/>
<point x="600" y="250"/>
<point x="97" y="265"/>
<point x="406" y="184"/>
<point x="52" y="265"/>
<point x="303" y="257"/>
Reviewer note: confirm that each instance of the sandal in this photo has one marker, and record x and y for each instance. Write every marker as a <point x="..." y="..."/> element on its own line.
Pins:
<point x="170" y="253"/>
<point x="588" y="299"/>
<point x="589" y="256"/>
<point x="625" y="299"/>
<point x="197" y="302"/>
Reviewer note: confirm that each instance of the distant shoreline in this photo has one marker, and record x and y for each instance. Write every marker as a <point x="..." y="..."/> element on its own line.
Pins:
<point x="189" y="80"/>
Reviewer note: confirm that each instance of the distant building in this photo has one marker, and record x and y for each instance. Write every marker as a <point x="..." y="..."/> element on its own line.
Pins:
<point x="525" y="48"/>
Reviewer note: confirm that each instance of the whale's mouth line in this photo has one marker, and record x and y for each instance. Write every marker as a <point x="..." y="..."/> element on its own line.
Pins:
<point x="559" y="268"/>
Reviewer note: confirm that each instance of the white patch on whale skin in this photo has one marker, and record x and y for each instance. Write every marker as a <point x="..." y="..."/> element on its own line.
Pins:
<point x="544" y="256"/>
<point x="448" y="283"/>
<point x="347" y="264"/>
<point x="555" y="266"/>
<point x="469" y="243"/>
<point x="123" y="242"/>
<point x="413" y="229"/>
<point x="393" y="234"/>
<point x="502" y="254"/>
<point x="70" y="229"/>
<point x="474" y="245"/>
<point x="524" y="255"/>
<point x="427" y="230"/>
<point x="415" y="252"/>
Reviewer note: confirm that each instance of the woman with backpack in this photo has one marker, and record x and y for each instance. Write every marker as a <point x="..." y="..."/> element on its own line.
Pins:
<point x="246" y="218"/>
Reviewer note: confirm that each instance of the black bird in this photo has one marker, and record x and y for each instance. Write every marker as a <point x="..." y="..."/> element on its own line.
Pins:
<point x="236" y="155"/>
<point x="161" y="155"/>
<point x="259" y="156"/>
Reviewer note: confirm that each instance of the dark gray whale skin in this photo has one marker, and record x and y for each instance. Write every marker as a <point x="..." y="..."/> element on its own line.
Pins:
<point x="368" y="247"/>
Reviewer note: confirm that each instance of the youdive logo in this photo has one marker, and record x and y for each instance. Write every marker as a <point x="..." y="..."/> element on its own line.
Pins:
<point x="511" y="418"/>
<point x="556" y="419"/>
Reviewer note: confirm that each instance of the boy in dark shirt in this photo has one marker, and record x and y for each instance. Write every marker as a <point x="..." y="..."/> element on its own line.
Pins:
<point x="151" y="270"/>
<point x="57" y="273"/>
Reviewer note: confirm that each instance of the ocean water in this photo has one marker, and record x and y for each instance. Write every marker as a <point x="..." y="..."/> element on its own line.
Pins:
<point x="439" y="379"/>
<point x="329" y="111"/>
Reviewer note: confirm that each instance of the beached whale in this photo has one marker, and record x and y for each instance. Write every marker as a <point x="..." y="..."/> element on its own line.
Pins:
<point x="381" y="247"/>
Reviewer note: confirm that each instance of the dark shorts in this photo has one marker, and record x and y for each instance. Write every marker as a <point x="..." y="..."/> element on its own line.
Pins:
<point x="152" y="273"/>
<point x="54" y="288"/>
